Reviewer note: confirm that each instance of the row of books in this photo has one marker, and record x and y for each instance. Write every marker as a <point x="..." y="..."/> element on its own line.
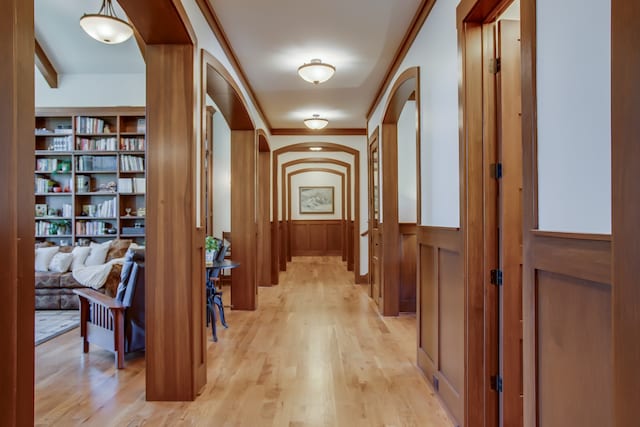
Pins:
<point x="61" y="143"/>
<point x="43" y="185"/>
<point x="96" y="163"/>
<point x="89" y="125"/>
<point x="132" y="185"/>
<point x="132" y="144"/>
<point x="106" y="209"/>
<point x="131" y="163"/>
<point x="92" y="228"/>
<point x="46" y="228"/>
<point x="97" y="144"/>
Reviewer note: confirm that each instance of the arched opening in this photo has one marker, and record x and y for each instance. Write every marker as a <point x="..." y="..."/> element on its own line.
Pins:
<point x="406" y="88"/>
<point x="279" y="231"/>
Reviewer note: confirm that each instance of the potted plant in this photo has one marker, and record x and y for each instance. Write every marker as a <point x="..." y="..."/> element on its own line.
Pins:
<point x="211" y="245"/>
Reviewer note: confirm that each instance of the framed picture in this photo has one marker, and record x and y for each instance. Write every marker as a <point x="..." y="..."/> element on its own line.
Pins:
<point x="41" y="209"/>
<point x="316" y="200"/>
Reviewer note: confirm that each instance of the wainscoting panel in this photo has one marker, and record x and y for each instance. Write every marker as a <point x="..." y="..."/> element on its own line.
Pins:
<point x="441" y="314"/>
<point x="567" y="348"/>
<point x="408" y="258"/>
<point x="316" y="238"/>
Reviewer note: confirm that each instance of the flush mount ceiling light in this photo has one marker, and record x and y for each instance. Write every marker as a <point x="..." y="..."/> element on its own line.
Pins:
<point x="315" y="148"/>
<point x="105" y="26"/>
<point x="316" y="122"/>
<point x="316" y="71"/>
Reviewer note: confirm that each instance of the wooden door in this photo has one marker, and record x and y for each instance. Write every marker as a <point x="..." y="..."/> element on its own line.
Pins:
<point x="375" y="249"/>
<point x="509" y="96"/>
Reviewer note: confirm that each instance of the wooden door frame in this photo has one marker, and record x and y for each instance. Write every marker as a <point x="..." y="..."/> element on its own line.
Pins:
<point x="278" y="262"/>
<point x="218" y="83"/>
<point x="350" y="199"/>
<point x="373" y="139"/>
<point x="263" y="271"/>
<point x="407" y="84"/>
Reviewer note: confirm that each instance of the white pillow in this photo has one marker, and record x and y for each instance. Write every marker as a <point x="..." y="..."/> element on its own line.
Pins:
<point x="80" y="254"/>
<point x="98" y="254"/>
<point x="60" y="262"/>
<point x="44" y="256"/>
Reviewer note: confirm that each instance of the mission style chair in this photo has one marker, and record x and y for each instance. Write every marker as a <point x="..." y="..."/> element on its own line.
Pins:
<point x="118" y="323"/>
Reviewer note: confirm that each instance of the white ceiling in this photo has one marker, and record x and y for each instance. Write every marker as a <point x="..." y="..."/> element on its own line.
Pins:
<point x="272" y="38"/>
<point x="71" y="50"/>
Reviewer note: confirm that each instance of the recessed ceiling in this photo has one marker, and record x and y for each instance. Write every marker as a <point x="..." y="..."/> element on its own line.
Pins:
<point x="71" y="50"/>
<point x="273" y="38"/>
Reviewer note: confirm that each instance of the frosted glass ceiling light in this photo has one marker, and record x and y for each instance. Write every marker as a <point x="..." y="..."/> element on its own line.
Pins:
<point x="316" y="122"/>
<point x="316" y="71"/>
<point x="315" y="148"/>
<point x="105" y="26"/>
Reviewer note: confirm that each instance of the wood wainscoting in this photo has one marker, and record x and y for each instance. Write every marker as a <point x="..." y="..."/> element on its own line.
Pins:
<point x="408" y="257"/>
<point x="567" y="329"/>
<point x="441" y="316"/>
<point x="317" y="238"/>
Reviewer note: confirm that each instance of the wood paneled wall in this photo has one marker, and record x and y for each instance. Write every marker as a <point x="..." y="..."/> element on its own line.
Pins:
<point x="408" y="267"/>
<point x="441" y="315"/>
<point x="264" y="223"/>
<point x="317" y="238"/>
<point x="175" y="306"/>
<point x="16" y="213"/>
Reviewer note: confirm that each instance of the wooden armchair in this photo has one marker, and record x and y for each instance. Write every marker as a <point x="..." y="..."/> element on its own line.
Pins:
<point x="116" y="324"/>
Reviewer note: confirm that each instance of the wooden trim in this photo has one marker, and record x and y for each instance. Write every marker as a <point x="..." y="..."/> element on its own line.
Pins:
<point x="142" y="46"/>
<point x="225" y="92"/>
<point x="164" y="23"/>
<point x="45" y="66"/>
<point x="625" y="110"/>
<point x="95" y="111"/>
<point x="362" y="279"/>
<point x="17" y="289"/>
<point x="263" y="141"/>
<point x="216" y="27"/>
<point x="440" y="237"/>
<point x="321" y="132"/>
<point x="327" y="147"/>
<point x="576" y="236"/>
<point x="416" y="25"/>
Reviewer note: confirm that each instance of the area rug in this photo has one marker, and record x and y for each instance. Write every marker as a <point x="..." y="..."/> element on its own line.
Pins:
<point x="51" y="323"/>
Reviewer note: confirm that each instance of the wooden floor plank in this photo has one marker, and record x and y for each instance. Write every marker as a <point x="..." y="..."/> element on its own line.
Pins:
<point x="315" y="353"/>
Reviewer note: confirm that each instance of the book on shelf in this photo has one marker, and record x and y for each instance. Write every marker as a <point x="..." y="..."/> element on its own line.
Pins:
<point x="139" y="185"/>
<point x="141" y="125"/>
<point x="97" y="144"/>
<point x="132" y="144"/>
<point x="131" y="163"/>
<point x="89" y="125"/>
<point x="125" y="185"/>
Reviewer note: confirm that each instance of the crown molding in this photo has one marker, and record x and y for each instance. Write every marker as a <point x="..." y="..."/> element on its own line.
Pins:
<point x="309" y="132"/>
<point x="416" y="25"/>
<point x="216" y="27"/>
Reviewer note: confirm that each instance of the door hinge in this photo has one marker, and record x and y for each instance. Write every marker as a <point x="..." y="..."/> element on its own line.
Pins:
<point x="496" y="383"/>
<point x="494" y="65"/>
<point x="496" y="277"/>
<point x="496" y="170"/>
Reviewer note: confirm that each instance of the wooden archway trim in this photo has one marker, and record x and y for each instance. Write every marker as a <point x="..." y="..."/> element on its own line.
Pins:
<point x="405" y="87"/>
<point x="263" y="141"/>
<point x="164" y="23"/>
<point x="343" y="234"/>
<point x="353" y="196"/>
<point x="276" y="264"/>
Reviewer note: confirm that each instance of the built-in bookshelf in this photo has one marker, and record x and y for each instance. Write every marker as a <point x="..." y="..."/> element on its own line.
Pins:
<point x="90" y="174"/>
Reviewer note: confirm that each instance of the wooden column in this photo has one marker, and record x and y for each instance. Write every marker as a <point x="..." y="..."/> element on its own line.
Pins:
<point x="243" y="221"/>
<point x="264" y="223"/>
<point x="175" y="289"/>
<point x="16" y="213"/>
<point x="625" y="152"/>
<point x="390" y="229"/>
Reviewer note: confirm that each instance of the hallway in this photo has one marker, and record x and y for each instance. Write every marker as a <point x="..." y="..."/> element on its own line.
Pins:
<point x="315" y="353"/>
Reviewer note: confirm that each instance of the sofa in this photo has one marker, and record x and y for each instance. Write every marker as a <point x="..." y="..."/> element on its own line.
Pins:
<point x="54" y="290"/>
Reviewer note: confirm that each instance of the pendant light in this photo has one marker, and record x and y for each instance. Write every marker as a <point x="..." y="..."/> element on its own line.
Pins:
<point x="105" y="26"/>
<point x="316" y="71"/>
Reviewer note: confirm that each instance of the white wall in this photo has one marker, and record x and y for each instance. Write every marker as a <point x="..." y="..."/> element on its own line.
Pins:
<point x="574" y="115"/>
<point x="316" y="179"/>
<point x="221" y="175"/>
<point x="91" y="90"/>
<point x="435" y="51"/>
<point x="407" y="177"/>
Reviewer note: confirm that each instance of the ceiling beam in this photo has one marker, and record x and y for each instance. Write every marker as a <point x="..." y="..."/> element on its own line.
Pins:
<point x="45" y="66"/>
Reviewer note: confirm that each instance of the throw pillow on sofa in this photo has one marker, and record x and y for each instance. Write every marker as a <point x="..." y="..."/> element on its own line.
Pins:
<point x="44" y="256"/>
<point x="80" y="254"/>
<point x="60" y="262"/>
<point x="98" y="254"/>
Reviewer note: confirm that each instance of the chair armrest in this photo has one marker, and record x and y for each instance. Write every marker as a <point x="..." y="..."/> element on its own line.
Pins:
<point x="98" y="298"/>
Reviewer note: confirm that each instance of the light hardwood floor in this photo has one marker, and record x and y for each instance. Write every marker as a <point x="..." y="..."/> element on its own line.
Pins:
<point x="315" y="353"/>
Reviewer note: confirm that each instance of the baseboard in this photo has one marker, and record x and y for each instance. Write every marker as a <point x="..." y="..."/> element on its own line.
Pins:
<point x="362" y="279"/>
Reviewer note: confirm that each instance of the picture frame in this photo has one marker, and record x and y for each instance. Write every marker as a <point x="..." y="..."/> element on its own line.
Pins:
<point x="41" y="209"/>
<point x="316" y="200"/>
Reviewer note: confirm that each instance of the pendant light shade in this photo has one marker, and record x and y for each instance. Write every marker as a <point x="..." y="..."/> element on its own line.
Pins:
<point x="316" y="71"/>
<point x="316" y="122"/>
<point x="105" y="26"/>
